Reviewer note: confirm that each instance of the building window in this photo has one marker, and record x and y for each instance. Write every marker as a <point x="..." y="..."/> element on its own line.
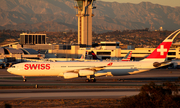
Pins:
<point x="26" y="39"/>
<point x="36" y="39"/>
<point x="89" y="53"/>
<point x="39" y="39"/>
<point x="43" y="39"/>
<point x="30" y="39"/>
<point x="171" y="53"/>
<point x="109" y="44"/>
<point x="65" y="47"/>
<point x="103" y="53"/>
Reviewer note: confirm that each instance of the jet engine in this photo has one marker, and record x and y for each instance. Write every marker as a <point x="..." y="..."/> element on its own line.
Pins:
<point x="70" y="75"/>
<point x="156" y="64"/>
<point x="86" y="72"/>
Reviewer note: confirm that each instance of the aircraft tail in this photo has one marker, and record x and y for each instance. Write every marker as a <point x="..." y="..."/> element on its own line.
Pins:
<point x="160" y="53"/>
<point x="84" y="57"/>
<point x="94" y="56"/>
<point x="127" y="57"/>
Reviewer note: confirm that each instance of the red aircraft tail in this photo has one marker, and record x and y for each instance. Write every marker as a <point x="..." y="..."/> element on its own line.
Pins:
<point x="160" y="53"/>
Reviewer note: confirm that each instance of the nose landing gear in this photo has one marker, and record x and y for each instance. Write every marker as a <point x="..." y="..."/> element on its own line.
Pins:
<point x="24" y="78"/>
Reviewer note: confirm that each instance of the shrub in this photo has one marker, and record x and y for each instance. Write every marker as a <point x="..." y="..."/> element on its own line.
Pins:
<point x="152" y="95"/>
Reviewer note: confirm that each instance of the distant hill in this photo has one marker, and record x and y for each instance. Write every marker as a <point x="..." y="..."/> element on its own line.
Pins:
<point x="60" y="15"/>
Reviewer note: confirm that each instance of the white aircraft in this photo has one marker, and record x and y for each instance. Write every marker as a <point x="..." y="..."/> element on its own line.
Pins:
<point x="126" y="58"/>
<point x="74" y="69"/>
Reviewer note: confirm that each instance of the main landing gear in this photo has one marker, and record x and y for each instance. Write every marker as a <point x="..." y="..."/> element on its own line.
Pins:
<point x="90" y="79"/>
<point x="24" y="79"/>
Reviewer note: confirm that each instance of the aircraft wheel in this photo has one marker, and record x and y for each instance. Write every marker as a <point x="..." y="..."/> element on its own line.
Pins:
<point x="87" y="80"/>
<point x="93" y="80"/>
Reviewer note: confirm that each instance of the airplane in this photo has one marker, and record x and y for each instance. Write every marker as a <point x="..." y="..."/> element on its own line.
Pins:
<point x="94" y="56"/>
<point x="93" y="69"/>
<point x="126" y="58"/>
<point x="82" y="56"/>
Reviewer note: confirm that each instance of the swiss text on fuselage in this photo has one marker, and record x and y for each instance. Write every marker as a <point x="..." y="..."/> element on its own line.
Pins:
<point x="37" y="66"/>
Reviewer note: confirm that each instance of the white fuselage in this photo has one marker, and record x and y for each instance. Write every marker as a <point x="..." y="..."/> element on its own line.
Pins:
<point x="59" y="68"/>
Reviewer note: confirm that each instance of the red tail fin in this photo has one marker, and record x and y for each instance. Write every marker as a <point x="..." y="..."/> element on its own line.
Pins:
<point x="160" y="53"/>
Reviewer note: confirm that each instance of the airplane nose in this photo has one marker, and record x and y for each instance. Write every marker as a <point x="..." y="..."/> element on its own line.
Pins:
<point x="9" y="70"/>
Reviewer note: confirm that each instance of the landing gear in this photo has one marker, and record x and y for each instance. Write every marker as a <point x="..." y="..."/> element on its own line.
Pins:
<point x="93" y="80"/>
<point x="24" y="79"/>
<point x="87" y="80"/>
<point x="90" y="80"/>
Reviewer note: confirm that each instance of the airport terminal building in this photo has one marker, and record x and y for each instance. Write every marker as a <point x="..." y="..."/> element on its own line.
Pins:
<point x="104" y="50"/>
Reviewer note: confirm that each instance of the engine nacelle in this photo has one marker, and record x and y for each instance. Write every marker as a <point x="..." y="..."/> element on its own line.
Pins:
<point x="86" y="72"/>
<point x="70" y="75"/>
<point x="156" y="64"/>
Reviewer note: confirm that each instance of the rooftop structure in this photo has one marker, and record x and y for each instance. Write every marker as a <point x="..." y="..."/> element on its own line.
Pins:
<point x="26" y="38"/>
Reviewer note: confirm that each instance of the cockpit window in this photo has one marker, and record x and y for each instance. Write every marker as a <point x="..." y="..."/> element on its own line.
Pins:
<point x="13" y="66"/>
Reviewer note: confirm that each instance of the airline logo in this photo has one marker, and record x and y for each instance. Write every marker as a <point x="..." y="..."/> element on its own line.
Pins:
<point x="82" y="57"/>
<point x="37" y="66"/>
<point x="128" y="57"/>
<point x="94" y="55"/>
<point x="110" y="64"/>
<point x="161" y="51"/>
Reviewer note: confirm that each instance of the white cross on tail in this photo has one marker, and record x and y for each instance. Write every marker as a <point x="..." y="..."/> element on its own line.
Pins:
<point x="162" y="50"/>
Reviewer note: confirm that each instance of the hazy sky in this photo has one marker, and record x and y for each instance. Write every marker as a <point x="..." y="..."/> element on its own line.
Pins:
<point x="172" y="3"/>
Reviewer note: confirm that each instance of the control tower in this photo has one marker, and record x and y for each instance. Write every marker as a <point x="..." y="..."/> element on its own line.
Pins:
<point x="85" y="21"/>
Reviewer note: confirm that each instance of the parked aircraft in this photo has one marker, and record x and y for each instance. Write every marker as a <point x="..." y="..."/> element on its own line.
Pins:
<point x="126" y="58"/>
<point x="94" y="69"/>
<point x="94" y="56"/>
<point x="84" y="57"/>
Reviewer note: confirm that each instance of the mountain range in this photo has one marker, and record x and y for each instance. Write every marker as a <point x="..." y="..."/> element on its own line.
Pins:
<point x="60" y="15"/>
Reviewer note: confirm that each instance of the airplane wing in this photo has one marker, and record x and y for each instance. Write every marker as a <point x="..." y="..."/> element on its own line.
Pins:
<point x="91" y="68"/>
<point x="84" y="71"/>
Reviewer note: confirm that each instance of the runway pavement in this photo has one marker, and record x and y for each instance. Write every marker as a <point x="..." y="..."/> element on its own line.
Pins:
<point x="32" y="94"/>
<point x="117" y="88"/>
